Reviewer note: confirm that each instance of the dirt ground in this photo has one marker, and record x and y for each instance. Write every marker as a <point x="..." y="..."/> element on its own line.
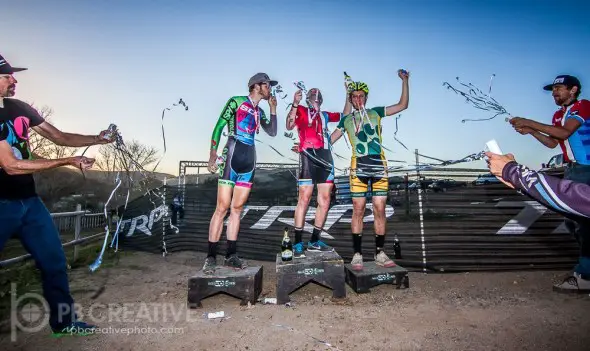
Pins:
<point x="467" y="311"/>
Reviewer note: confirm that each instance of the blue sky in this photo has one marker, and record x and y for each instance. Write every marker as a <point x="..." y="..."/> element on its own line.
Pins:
<point x="97" y="62"/>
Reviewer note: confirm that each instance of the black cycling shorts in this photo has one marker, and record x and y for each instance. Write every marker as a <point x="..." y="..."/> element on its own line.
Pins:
<point x="316" y="166"/>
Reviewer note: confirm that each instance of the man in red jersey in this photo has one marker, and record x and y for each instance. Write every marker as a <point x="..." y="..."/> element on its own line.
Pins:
<point x="316" y="165"/>
<point x="570" y="130"/>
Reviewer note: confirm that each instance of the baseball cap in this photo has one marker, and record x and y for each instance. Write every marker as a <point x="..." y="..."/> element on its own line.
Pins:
<point x="565" y="80"/>
<point x="6" y="68"/>
<point x="261" y="78"/>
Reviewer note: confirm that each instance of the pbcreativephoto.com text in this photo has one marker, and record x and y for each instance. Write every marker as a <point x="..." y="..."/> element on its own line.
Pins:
<point x="127" y="331"/>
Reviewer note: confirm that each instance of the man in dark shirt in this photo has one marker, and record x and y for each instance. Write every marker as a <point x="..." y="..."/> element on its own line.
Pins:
<point x="22" y="214"/>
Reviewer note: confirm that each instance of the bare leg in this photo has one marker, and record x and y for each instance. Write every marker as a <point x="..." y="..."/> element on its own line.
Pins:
<point x="224" y="195"/>
<point x="237" y="206"/>
<point x="305" y="192"/>
<point x="358" y="212"/>
<point x="324" y="191"/>
<point x="379" y="214"/>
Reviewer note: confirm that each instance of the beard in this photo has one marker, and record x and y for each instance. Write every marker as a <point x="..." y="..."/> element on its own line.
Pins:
<point x="559" y="100"/>
<point x="9" y="92"/>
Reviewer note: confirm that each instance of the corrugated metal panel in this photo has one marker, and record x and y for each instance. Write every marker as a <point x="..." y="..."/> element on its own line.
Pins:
<point x="466" y="227"/>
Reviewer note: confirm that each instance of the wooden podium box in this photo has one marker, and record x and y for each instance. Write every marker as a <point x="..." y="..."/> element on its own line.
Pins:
<point x="244" y="284"/>
<point x="324" y="268"/>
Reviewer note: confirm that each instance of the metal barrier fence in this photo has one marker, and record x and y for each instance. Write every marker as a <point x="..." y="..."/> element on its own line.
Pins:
<point x="446" y="219"/>
<point x="88" y="221"/>
<point x="66" y="221"/>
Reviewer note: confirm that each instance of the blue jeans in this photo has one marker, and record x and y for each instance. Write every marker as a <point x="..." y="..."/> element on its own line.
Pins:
<point x="30" y="221"/>
<point x="581" y="228"/>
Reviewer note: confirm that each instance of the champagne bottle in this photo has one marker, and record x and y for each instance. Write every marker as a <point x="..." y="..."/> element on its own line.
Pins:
<point x="347" y="80"/>
<point x="286" y="247"/>
<point x="397" y="249"/>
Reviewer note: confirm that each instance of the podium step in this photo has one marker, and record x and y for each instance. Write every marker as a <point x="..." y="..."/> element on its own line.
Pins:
<point x="244" y="284"/>
<point x="373" y="275"/>
<point x="324" y="268"/>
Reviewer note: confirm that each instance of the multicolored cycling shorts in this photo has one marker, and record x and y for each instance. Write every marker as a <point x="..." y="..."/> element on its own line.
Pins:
<point x="240" y="164"/>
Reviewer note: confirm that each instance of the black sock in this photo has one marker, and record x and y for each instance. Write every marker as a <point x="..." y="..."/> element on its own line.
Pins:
<point x="357" y="242"/>
<point x="379" y="243"/>
<point x="298" y="235"/>
<point x="231" y="247"/>
<point x="212" y="249"/>
<point x="315" y="236"/>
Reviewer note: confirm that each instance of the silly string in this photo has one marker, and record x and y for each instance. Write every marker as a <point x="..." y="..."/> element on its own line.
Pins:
<point x="473" y="95"/>
<point x="277" y="91"/>
<point x="128" y="163"/>
<point x="395" y="134"/>
<point x="179" y="103"/>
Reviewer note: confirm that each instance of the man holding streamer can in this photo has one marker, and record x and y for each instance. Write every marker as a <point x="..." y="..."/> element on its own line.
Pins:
<point x="570" y="129"/>
<point x="22" y="213"/>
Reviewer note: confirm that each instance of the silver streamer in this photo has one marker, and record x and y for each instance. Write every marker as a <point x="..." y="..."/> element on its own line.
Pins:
<point x="474" y="96"/>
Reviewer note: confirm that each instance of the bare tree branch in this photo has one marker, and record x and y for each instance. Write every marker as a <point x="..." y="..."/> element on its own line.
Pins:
<point x="136" y="165"/>
<point x="58" y="186"/>
<point x="44" y="148"/>
<point x="38" y="144"/>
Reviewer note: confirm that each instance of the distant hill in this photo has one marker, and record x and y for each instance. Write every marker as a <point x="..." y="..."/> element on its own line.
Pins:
<point x="62" y="188"/>
<point x="261" y="176"/>
<point x="110" y="177"/>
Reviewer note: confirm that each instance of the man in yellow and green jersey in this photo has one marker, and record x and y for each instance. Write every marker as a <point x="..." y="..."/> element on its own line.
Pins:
<point x="368" y="164"/>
